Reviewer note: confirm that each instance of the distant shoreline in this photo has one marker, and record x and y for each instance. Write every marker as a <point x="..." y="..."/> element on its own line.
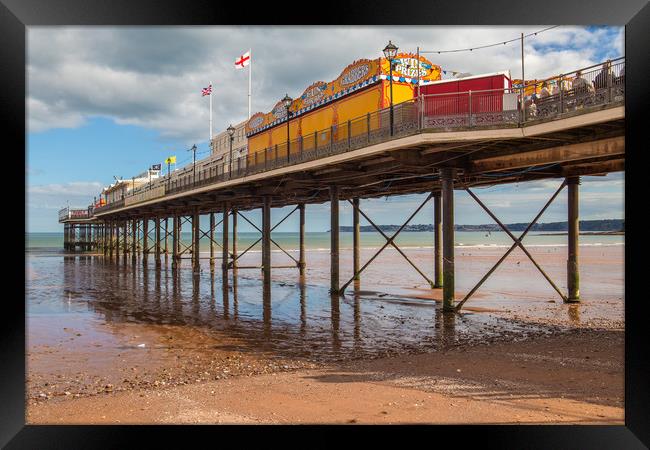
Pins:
<point x="587" y="233"/>
<point x="604" y="226"/>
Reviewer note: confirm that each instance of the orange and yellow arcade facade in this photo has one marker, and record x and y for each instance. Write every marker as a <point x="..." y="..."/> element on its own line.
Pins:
<point x="363" y="87"/>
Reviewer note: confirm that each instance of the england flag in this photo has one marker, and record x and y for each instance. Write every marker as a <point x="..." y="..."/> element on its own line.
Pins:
<point x="243" y="61"/>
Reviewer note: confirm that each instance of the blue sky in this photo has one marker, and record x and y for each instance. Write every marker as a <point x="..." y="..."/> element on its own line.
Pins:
<point x="105" y="101"/>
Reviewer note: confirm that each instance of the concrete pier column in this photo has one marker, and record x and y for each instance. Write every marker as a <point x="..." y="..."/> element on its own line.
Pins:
<point x="573" y="273"/>
<point x="233" y="213"/>
<point x="157" y="247"/>
<point x="174" y="241"/>
<point x="447" y="176"/>
<point x="356" y="238"/>
<point x="437" y="238"/>
<point x="301" y="257"/>
<point x="266" y="241"/>
<point x="211" y="234"/>
<point x="225" y="245"/>
<point x="196" y="266"/>
<point x="334" y="240"/>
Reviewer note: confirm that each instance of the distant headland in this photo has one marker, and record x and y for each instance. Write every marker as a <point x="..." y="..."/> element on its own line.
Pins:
<point x="608" y="226"/>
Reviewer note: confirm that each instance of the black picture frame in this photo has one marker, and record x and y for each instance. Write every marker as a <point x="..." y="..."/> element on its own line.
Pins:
<point x="16" y="15"/>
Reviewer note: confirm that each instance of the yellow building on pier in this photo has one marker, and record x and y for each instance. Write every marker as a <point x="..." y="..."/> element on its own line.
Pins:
<point x="324" y="110"/>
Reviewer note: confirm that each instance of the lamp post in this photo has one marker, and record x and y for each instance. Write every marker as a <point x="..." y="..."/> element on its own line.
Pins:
<point x="193" y="150"/>
<point x="390" y="51"/>
<point x="231" y="133"/>
<point x="287" y="102"/>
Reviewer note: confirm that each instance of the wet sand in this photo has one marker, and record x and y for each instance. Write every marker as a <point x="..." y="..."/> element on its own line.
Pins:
<point x="516" y="354"/>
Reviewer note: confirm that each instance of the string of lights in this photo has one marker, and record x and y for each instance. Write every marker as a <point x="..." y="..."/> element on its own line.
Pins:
<point x="488" y="46"/>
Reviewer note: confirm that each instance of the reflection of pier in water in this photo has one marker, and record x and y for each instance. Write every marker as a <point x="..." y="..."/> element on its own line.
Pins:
<point x="294" y="319"/>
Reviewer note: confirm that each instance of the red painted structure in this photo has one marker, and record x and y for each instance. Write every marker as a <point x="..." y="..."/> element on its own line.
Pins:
<point x="475" y="94"/>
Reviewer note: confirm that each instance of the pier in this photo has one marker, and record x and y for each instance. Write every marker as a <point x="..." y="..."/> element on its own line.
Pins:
<point x="419" y="146"/>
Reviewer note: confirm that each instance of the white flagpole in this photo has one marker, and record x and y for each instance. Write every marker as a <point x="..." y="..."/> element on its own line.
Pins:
<point x="210" y="140"/>
<point x="250" y="71"/>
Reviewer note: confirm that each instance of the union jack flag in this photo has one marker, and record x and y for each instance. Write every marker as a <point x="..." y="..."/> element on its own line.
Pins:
<point x="206" y="91"/>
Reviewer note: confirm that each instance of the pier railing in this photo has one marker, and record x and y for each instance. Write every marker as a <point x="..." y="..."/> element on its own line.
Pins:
<point x="67" y="213"/>
<point x="567" y="94"/>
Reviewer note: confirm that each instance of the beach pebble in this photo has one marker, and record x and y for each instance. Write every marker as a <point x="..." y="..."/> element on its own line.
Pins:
<point x="142" y="345"/>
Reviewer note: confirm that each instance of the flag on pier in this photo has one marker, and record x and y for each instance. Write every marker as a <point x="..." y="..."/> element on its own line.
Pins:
<point x="171" y="160"/>
<point x="245" y="61"/>
<point x="206" y="91"/>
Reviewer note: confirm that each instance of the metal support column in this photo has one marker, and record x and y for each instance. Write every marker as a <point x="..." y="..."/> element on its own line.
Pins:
<point x="234" y="240"/>
<point x="174" y="241"/>
<point x="110" y="235"/>
<point x="266" y="240"/>
<point x="301" y="259"/>
<point x="573" y="273"/>
<point x="437" y="245"/>
<point x="356" y="238"/>
<point x="166" y="237"/>
<point x="224" y="244"/>
<point x="334" y="240"/>
<point x="211" y="242"/>
<point x="447" y="176"/>
<point x="66" y="235"/>
<point x="196" y="266"/>
<point x="157" y="247"/>
<point x="125" y="241"/>
<point x="145" y="240"/>
<point x="134" y="240"/>
<point x="117" y="240"/>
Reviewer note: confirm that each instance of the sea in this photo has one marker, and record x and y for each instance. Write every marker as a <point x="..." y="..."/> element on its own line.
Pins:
<point x="320" y="241"/>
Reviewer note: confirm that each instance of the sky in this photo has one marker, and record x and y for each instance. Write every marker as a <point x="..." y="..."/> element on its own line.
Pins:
<point x="111" y="101"/>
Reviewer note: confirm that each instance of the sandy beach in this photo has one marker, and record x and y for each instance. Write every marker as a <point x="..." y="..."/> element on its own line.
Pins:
<point x="381" y="354"/>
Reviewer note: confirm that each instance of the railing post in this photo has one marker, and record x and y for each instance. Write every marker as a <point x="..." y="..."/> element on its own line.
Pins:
<point x="275" y="161"/>
<point x="315" y="142"/>
<point x="561" y="94"/>
<point x="609" y="83"/>
<point x="470" y="108"/>
<point x="331" y="139"/>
